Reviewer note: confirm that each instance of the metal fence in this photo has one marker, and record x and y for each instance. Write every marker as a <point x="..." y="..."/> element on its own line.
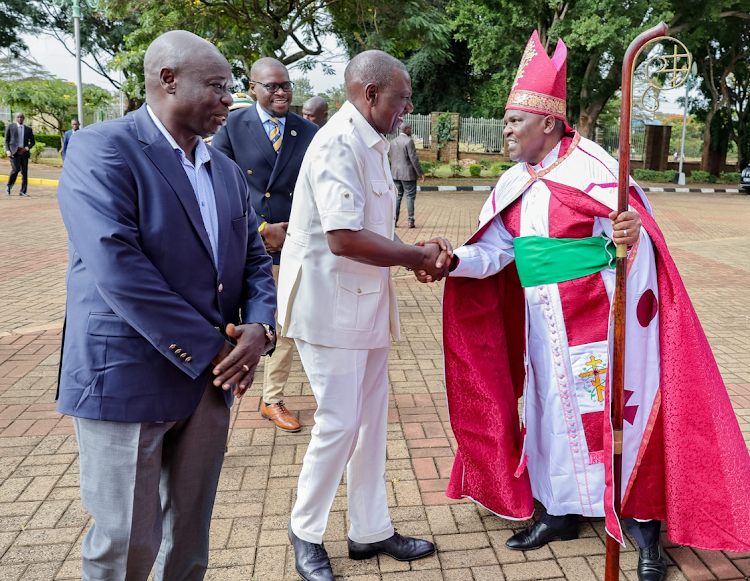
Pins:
<point x="479" y="135"/>
<point x="421" y="127"/>
<point x="611" y="141"/>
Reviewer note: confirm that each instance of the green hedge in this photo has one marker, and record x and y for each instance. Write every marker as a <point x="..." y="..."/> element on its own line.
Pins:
<point x="499" y="167"/>
<point x="475" y="170"/>
<point x="650" y="175"/>
<point x="729" y="177"/>
<point x="699" y="177"/>
<point x="429" y="167"/>
<point x="35" y="151"/>
<point x="50" y="140"/>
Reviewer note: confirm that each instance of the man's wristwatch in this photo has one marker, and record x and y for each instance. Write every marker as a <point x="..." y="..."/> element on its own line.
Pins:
<point x="270" y="332"/>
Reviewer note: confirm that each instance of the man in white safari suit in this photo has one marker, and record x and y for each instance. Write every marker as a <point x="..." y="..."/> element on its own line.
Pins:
<point x="337" y="301"/>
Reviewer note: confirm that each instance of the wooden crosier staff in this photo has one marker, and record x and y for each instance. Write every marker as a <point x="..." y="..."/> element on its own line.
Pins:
<point x="658" y="32"/>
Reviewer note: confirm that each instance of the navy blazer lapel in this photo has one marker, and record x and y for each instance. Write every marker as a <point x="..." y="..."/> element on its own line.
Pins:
<point x="163" y="157"/>
<point x="259" y="137"/>
<point x="288" y="145"/>
<point x="222" y="212"/>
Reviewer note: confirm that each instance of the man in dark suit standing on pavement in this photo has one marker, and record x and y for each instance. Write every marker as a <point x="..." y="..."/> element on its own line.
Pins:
<point x="19" y="139"/>
<point x="405" y="168"/>
<point x="268" y="142"/>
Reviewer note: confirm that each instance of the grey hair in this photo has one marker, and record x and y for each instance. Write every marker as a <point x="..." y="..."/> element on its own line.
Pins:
<point x="405" y="126"/>
<point x="371" y="67"/>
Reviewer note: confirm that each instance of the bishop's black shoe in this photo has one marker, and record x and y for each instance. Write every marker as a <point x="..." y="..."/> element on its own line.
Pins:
<point x="538" y="535"/>
<point x="398" y="547"/>
<point x="310" y="560"/>
<point x="652" y="564"/>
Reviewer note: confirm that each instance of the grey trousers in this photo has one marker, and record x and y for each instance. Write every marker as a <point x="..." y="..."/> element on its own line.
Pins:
<point x="410" y="187"/>
<point x="150" y="488"/>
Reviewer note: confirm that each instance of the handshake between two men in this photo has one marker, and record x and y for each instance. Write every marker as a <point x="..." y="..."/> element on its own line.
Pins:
<point x="430" y="260"/>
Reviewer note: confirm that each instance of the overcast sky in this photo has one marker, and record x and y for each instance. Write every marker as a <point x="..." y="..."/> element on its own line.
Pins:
<point x="51" y="54"/>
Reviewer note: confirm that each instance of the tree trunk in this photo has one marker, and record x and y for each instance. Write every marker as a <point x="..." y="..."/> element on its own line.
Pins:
<point x="706" y="151"/>
<point x="133" y="103"/>
<point x="588" y="117"/>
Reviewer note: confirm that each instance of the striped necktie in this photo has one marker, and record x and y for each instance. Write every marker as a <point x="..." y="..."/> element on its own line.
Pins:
<point x="275" y="135"/>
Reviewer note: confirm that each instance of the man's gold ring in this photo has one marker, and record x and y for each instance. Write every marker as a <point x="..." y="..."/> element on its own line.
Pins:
<point x="246" y="368"/>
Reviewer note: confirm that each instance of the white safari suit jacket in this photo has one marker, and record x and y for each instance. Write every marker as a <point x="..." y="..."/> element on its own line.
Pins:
<point x="345" y="183"/>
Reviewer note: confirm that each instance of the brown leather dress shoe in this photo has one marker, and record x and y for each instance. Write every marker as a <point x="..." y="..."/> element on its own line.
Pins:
<point x="282" y="417"/>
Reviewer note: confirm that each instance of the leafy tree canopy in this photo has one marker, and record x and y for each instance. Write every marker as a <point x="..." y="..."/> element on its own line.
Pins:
<point x="51" y="101"/>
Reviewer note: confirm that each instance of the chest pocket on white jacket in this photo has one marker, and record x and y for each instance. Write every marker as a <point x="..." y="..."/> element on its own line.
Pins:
<point x="356" y="302"/>
<point x="377" y="202"/>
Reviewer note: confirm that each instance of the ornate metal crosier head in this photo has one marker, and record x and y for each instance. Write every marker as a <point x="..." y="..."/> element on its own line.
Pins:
<point x="671" y="69"/>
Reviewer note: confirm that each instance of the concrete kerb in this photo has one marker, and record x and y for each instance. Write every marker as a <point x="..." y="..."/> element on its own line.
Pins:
<point x="654" y="189"/>
<point x="34" y="181"/>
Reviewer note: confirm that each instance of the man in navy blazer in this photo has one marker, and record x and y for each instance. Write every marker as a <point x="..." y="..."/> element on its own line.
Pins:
<point x="170" y="299"/>
<point x="268" y="142"/>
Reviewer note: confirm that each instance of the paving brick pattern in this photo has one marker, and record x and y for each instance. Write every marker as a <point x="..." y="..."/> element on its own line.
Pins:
<point x="42" y="521"/>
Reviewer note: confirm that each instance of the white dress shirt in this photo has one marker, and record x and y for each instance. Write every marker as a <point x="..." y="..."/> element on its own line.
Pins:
<point x="200" y="178"/>
<point x="345" y="183"/>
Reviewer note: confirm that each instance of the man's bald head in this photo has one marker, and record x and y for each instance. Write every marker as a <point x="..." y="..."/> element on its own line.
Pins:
<point x="175" y="50"/>
<point x="378" y="85"/>
<point x="262" y="65"/>
<point x="188" y="85"/>
<point x="371" y="67"/>
<point x="315" y="110"/>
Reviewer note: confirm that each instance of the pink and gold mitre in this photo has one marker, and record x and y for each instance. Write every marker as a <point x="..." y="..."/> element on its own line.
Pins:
<point x="540" y="83"/>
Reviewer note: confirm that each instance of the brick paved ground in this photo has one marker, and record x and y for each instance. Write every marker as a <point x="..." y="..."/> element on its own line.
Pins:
<point x="41" y="518"/>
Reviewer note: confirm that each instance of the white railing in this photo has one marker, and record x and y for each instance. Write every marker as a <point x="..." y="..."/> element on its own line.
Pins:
<point x="107" y="112"/>
<point x="479" y="135"/>
<point x="611" y="141"/>
<point x="421" y="127"/>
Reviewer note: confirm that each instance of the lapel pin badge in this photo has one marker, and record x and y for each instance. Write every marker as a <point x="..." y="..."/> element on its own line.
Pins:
<point x="294" y="133"/>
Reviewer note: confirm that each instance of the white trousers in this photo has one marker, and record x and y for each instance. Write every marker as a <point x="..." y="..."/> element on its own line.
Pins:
<point x="351" y="429"/>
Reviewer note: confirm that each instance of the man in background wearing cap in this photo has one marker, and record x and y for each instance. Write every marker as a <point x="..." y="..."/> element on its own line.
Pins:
<point x="268" y="142"/>
<point x="533" y="287"/>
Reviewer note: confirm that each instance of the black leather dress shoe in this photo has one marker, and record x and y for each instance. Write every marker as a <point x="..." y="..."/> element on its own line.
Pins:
<point x="652" y="564"/>
<point x="538" y="535"/>
<point x="398" y="547"/>
<point x="310" y="560"/>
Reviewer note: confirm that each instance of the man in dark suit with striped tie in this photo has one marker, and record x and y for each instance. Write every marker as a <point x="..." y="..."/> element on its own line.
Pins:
<point x="268" y="142"/>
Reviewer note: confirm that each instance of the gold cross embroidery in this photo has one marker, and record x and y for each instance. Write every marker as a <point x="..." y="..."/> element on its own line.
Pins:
<point x="595" y="372"/>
